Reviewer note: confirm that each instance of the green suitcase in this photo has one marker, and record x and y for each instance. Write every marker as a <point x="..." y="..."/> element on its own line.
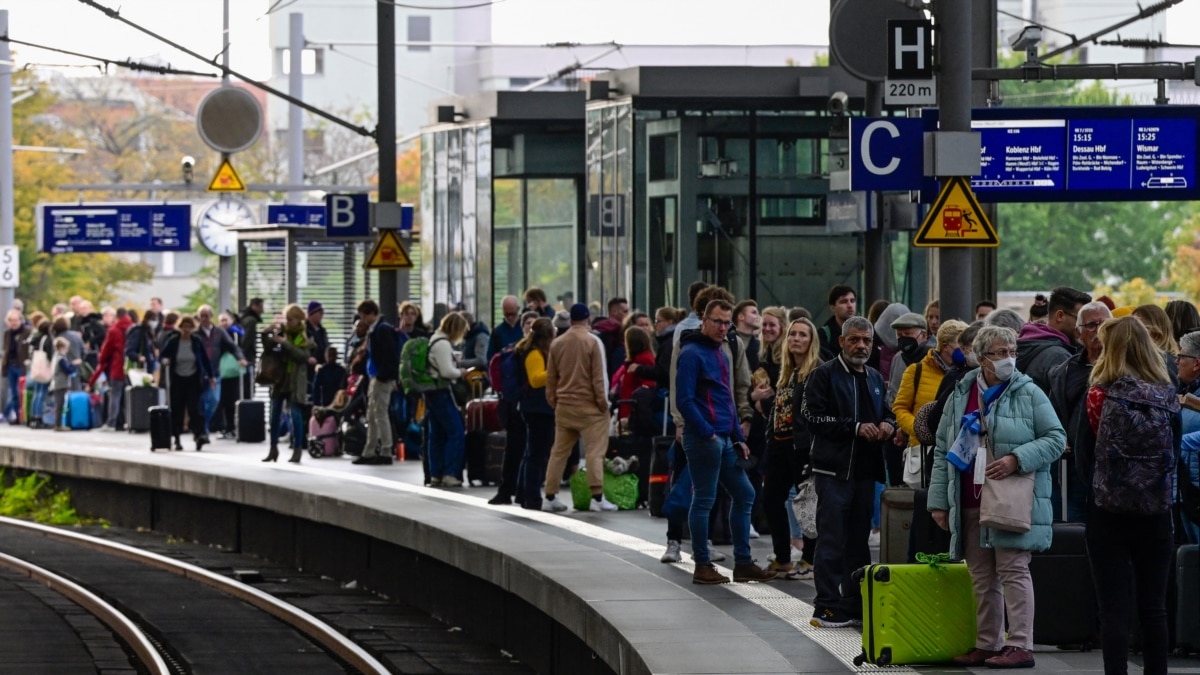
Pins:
<point x="922" y="613"/>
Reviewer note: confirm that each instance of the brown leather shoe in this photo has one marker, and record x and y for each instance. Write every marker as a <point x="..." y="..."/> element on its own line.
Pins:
<point x="708" y="575"/>
<point x="751" y="572"/>
<point x="1011" y="657"/>
<point x="975" y="657"/>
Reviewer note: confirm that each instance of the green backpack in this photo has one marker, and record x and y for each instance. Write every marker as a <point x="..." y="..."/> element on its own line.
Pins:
<point x="414" y="367"/>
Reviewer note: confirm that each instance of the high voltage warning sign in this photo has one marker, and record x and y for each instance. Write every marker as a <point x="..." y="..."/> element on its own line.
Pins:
<point x="388" y="253"/>
<point x="956" y="219"/>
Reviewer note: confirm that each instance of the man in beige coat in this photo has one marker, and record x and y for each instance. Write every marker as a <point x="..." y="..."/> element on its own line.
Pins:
<point x="576" y="389"/>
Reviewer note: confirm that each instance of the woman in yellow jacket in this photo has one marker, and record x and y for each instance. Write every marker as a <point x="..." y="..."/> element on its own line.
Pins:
<point x="920" y="386"/>
<point x="531" y="351"/>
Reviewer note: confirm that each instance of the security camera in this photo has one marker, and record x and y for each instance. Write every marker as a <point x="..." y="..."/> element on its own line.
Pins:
<point x="838" y="103"/>
<point x="1029" y="38"/>
<point x="189" y="165"/>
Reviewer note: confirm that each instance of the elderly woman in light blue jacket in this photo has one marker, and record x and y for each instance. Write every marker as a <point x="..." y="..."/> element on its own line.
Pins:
<point x="1026" y="438"/>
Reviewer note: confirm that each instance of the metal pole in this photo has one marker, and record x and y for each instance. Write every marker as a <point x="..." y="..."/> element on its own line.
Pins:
<point x="954" y="103"/>
<point x="295" y="113"/>
<point x="875" y="268"/>
<point x="385" y="134"/>
<point x="6" y="154"/>
<point x="225" y="264"/>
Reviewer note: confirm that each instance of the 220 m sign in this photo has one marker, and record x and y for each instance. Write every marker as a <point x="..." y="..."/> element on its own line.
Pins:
<point x="910" y="92"/>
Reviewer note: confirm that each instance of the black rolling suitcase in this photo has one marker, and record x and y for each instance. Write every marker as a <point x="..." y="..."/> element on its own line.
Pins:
<point x="494" y="457"/>
<point x="1065" y="612"/>
<point x="1187" y="619"/>
<point x="251" y="416"/>
<point x="659" y="479"/>
<point x="160" y="418"/>
<point x="138" y="402"/>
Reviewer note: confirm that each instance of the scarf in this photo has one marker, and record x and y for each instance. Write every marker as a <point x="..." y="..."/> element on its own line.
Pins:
<point x="300" y="340"/>
<point x="962" y="452"/>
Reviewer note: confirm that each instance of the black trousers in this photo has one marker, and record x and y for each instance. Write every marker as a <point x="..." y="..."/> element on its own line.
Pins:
<point x="783" y="470"/>
<point x="1122" y="547"/>
<point x="185" y="398"/>
<point x="514" y="447"/>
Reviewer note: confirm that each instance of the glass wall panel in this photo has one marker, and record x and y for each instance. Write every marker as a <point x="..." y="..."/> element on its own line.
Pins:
<point x="608" y="245"/>
<point x="469" y="226"/>
<point x="454" y="213"/>
<point x="508" y="241"/>
<point x="427" y="209"/>
<point x="441" y="229"/>
<point x="552" y="206"/>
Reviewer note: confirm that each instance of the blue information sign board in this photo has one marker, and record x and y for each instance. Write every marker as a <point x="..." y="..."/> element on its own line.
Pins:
<point x="114" y="228"/>
<point x="310" y="215"/>
<point x="1118" y="153"/>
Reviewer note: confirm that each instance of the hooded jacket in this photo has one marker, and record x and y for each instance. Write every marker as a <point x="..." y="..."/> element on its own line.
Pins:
<point x="885" y="335"/>
<point x="704" y="388"/>
<point x="1040" y="348"/>
<point x="112" y="353"/>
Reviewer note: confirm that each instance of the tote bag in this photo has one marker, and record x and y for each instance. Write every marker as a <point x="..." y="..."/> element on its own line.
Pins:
<point x="1005" y="504"/>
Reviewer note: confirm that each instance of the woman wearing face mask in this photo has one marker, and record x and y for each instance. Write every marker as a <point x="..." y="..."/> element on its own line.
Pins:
<point x="1025" y="436"/>
<point x="920" y="386"/>
<point x="139" y="343"/>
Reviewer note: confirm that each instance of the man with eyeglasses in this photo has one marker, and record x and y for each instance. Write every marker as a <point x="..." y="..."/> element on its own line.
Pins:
<point x="508" y="331"/>
<point x="844" y="408"/>
<point x="715" y="444"/>
<point x="1068" y="394"/>
<point x="1040" y="346"/>
<point x="1188" y="360"/>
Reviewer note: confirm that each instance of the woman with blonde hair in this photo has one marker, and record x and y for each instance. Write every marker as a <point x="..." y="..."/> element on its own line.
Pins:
<point x="290" y="339"/>
<point x="1132" y="409"/>
<point x="787" y="447"/>
<point x="447" y="435"/>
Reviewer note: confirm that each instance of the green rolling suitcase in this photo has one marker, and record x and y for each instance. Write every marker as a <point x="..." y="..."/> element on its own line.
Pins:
<point x="922" y="613"/>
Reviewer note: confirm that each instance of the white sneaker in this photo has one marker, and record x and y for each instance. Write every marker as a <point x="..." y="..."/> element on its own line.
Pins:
<point x="553" y="506"/>
<point x="753" y="533"/>
<point x="602" y="505"/>
<point x="713" y="554"/>
<point x="873" y="540"/>
<point x="672" y="554"/>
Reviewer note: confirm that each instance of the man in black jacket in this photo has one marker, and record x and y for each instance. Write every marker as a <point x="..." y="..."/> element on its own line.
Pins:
<point x="845" y="412"/>
<point x="383" y="365"/>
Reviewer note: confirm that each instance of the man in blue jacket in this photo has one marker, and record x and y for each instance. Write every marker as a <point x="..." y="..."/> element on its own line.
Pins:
<point x="714" y="444"/>
<point x="383" y="366"/>
<point x="845" y="411"/>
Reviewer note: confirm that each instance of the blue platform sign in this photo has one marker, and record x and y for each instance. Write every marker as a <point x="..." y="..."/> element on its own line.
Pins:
<point x="348" y="216"/>
<point x="309" y="215"/>
<point x="1118" y="153"/>
<point x="114" y="228"/>
<point x="886" y="153"/>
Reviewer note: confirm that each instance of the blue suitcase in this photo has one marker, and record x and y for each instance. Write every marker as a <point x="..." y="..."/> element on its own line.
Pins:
<point x="78" y="413"/>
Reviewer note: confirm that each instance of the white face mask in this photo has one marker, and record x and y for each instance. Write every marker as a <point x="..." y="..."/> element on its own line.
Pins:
<point x="972" y="360"/>
<point x="1004" y="368"/>
<point x="153" y="325"/>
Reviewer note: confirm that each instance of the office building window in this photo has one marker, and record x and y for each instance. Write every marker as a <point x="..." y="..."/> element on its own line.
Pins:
<point x="312" y="61"/>
<point x="419" y="30"/>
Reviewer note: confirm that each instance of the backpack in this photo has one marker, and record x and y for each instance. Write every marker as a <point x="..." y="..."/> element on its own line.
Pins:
<point x="414" y="366"/>
<point x="1135" y="448"/>
<point x="510" y="371"/>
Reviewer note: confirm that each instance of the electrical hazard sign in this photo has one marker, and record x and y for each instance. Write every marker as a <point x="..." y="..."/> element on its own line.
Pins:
<point x="388" y="253"/>
<point x="226" y="179"/>
<point x="956" y="219"/>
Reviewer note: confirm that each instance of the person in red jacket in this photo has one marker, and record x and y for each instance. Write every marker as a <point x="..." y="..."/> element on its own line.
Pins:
<point x="636" y="371"/>
<point x="111" y="362"/>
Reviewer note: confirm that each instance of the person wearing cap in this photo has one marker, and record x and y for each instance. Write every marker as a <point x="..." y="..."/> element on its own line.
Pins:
<point x="562" y="321"/>
<point x="576" y="387"/>
<point x="317" y="335"/>
<point x="911" y="334"/>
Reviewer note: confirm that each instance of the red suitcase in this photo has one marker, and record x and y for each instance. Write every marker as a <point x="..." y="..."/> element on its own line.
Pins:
<point x="483" y="414"/>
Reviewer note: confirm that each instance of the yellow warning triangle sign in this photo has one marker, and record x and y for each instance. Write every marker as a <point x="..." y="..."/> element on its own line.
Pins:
<point x="226" y="179"/>
<point x="956" y="219"/>
<point x="388" y="253"/>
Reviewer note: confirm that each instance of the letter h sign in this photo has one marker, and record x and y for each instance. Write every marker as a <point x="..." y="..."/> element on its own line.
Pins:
<point x="910" y="49"/>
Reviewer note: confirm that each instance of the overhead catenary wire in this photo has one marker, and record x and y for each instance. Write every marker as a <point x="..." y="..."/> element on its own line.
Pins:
<point x="114" y="14"/>
<point x="393" y="3"/>
<point x="127" y="63"/>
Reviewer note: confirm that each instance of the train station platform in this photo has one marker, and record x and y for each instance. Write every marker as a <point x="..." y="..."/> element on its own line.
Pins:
<point x="580" y="592"/>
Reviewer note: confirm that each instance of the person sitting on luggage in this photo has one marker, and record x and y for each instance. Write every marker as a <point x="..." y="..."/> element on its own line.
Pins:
<point x="329" y="380"/>
<point x="64" y="372"/>
<point x="1132" y="409"/>
<point x="292" y="389"/>
<point x="639" y="355"/>
<point x="1024" y="436"/>
<point x="189" y="373"/>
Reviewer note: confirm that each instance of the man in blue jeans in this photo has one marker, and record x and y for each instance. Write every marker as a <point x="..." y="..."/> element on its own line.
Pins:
<point x="714" y="444"/>
<point x="844" y="408"/>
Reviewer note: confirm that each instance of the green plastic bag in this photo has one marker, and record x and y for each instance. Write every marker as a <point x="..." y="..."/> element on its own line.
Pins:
<point x="621" y="490"/>
<point x="581" y="492"/>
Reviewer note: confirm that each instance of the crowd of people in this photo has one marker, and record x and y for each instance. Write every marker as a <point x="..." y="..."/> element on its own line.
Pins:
<point x="763" y="405"/>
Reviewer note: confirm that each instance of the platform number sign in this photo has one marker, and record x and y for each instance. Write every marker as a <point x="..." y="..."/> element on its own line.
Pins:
<point x="10" y="267"/>
<point x="910" y="79"/>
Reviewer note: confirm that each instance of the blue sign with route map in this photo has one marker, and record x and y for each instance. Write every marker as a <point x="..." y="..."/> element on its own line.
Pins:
<point x="114" y="228"/>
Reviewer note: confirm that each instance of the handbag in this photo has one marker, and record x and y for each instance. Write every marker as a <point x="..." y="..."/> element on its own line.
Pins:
<point x="229" y="368"/>
<point x="1005" y="504"/>
<point x="39" y="368"/>
<point x="461" y="390"/>
<point x="914" y="466"/>
<point x="804" y="506"/>
<point x="272" y="369"/>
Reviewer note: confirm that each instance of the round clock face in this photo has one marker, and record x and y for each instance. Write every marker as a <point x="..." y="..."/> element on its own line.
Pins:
<point x="215" y="222"/>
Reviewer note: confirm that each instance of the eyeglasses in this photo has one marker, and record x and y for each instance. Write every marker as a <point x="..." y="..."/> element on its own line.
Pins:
<point x="1001" y="354"/>
<point x="720" y="324"/>
<point x="1091" y="325"/>
<point x="1186" y="356"/>
<point x="511" y="314"/>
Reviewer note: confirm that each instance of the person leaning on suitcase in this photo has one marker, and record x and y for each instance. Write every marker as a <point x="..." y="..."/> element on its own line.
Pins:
<point x="1025" y="437"/>
<point x="189" y="372"/>
<point x="292" y="388"/>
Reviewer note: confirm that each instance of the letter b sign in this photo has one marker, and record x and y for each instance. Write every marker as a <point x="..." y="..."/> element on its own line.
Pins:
<point x="347" y="216"/>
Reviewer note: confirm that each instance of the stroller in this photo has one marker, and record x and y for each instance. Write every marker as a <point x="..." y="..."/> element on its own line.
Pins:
<point x="325" y="432"/>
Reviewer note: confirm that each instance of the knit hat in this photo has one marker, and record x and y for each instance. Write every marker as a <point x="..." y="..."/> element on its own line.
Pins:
<point x="562" y="319"/>
<point x="579" y="312"/>
<point x="315" y="306"/>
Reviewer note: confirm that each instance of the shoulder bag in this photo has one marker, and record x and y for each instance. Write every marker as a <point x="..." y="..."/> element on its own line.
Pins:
<point x="1005" y="504"/>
